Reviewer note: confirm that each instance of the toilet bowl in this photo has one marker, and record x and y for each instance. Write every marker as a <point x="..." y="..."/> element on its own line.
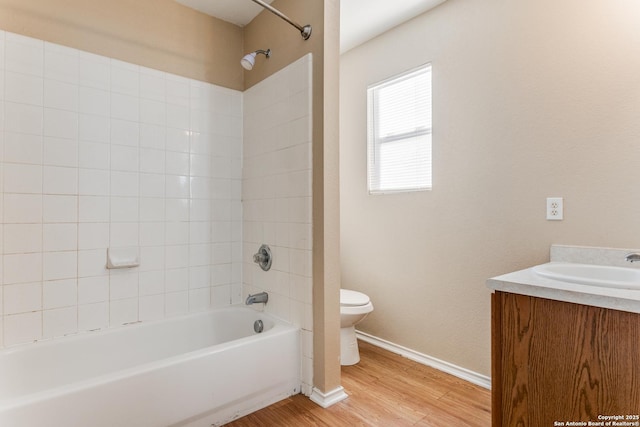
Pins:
<point x="354" y="307"/>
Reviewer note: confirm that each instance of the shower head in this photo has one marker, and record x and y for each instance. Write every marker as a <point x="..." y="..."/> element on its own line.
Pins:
<point x="249" y="59"/>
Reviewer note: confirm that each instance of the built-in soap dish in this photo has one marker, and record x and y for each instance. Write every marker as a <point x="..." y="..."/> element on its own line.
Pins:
<point x="123" y="257"/>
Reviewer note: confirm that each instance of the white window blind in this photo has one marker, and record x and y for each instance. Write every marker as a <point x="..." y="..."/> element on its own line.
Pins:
<point x="399" y="133"/>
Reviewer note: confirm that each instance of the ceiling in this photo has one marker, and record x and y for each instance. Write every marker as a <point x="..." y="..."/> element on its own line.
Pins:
<point x="238" y="12"/>
<point x="360" y="20"/>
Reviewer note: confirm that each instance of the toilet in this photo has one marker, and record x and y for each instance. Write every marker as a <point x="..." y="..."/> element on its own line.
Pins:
<point x="354" y="307"/>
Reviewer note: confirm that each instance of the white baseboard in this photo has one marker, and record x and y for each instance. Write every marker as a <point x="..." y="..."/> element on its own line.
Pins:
<point x="330" y="398"/>
<point x="450" y="368"/>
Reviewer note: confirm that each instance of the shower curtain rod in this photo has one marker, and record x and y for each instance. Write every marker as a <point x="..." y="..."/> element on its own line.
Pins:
<point x="305" y="31"/>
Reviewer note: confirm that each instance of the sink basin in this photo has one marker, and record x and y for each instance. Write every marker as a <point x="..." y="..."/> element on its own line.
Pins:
<point x="588" y="274"/>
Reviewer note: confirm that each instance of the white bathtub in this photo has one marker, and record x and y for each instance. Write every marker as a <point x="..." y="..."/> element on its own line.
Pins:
<point x="199" y="370"/>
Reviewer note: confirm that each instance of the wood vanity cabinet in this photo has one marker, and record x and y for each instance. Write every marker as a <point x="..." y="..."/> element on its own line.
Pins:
<point x="555" y="362"/>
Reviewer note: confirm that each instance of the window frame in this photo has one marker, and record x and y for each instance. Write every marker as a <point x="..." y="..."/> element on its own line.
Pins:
<point x="374" y="142"/>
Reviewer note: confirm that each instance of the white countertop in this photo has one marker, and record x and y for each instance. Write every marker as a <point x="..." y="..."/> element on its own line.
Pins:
<point x="526" y="282"/>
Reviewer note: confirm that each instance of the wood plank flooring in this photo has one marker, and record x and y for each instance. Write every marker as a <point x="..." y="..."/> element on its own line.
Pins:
<point x="385" y="390"/>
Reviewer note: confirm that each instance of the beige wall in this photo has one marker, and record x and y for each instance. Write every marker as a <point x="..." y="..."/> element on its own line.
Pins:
<point x="532" y="99"/>
<point x="268" y="31"/>
<point x="159" y="34"/>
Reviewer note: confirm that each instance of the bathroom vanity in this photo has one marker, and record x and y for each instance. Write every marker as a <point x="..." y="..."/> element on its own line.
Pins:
<point x="565" y="353"/>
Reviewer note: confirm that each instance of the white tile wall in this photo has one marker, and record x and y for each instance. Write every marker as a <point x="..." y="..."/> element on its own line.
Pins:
<point x="97" y="152"/>
<point x="276" y="193"/>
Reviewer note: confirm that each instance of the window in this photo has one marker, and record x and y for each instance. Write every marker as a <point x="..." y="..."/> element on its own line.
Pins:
<point x="399" y="133"/>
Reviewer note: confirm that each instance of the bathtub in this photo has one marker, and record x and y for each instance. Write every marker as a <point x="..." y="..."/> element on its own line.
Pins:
<point x="198" y="370"/>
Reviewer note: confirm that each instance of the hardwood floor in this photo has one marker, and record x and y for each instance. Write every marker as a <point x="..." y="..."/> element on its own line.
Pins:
<point x="385" y="390"/>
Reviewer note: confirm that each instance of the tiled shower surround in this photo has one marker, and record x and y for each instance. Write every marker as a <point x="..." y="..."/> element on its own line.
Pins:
<point x="276" y="197"/>
<point x="99" y="153"/>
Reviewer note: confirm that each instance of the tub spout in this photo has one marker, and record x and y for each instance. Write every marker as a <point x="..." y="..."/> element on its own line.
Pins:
<point x="633" y="257"/>
<point x="262" y="297"/>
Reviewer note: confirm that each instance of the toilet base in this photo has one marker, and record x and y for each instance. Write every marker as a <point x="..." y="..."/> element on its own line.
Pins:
<point x="349" y="352"/>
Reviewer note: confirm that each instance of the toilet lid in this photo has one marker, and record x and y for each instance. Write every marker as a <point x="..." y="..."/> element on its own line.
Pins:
<point x="352" y="298"/>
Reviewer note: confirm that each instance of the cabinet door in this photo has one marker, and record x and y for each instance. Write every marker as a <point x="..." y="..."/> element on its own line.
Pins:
<point x="556" y="362"/>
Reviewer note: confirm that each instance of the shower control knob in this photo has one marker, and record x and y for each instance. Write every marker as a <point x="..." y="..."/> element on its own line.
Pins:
<point x="263" y="257"/>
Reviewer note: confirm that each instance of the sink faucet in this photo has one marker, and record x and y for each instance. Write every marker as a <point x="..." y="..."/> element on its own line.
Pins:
<point x="632" y="257"/>
<point x="262" y="297"/>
